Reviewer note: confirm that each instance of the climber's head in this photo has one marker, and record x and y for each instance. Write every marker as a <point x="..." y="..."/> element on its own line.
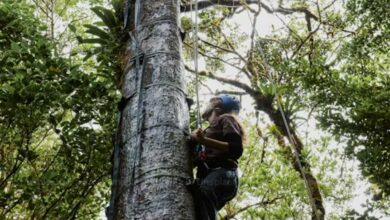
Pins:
<point x="221" y="105"/>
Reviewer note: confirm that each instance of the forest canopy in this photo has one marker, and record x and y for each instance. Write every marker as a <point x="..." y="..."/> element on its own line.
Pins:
<point x="325" y="64"/>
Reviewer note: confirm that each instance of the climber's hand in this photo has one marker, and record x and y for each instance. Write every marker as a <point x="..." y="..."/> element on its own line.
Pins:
<point x="198" y="135"/>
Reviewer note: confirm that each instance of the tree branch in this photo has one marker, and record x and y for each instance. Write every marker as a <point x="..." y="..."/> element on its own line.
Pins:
<point x="72" y="184"/>
<point x="87" y="190"/>
<point x="3" y="214"/>
<point x="216" y="58"/>
<point x="261" y="203"/>
<point x="229" y="92"/>
<point x="239" y="3"/>
<point x="15" y="168"/>
<point x="208" y="3"/>
<point x="233" y="51"/>
<point x="235" y="83"/>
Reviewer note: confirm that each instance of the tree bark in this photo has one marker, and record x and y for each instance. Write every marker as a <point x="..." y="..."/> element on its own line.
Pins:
<point x="154" y="162"/>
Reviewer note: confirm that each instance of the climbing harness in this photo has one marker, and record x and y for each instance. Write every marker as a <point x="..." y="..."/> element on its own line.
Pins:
<point x="200" y="151"/>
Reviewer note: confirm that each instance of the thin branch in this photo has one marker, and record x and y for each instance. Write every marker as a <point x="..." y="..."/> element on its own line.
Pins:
<point x="63" y="9"/>
<point x="75" y="181"/>
<point x="12" y="206"/>
<point x="216" y="58"/>
<point x="50" y="164"/>
<point x="309" y="36"/>
<point x="244" y="69"/>
<point x="219" y="92"/>
<point x="240" y="3"/>
<point x="288" y="27"/>
<point x="208" y="3"/>
<point x="9" y="122"/>
<point x="254" y="31"/>
<point x="207" y="87"/>
<point x="235" y="83"/>
<point x="87" y="190"/>
<point x="42" y="139"/>
<point x="233" y="51"/>
<point x="15" y="169"/>
<point x="328" y="6"/>
<point x="261" y="203"/>
<point x="40" y="7"/>
<point x="52" y="22"/>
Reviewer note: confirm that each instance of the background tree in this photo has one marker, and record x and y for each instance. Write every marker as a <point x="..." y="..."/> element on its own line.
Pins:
<point x="55" y="125"/>
<point x="357" y="94"/>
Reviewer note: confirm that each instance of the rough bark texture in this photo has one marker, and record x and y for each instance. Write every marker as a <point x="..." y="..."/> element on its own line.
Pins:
<point x="153" y="172"/>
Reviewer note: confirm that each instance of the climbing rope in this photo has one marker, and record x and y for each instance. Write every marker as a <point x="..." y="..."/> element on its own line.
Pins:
<point x="270" y="73"/>
<point x="200" y="150"/>
<point x="195" y="50"/>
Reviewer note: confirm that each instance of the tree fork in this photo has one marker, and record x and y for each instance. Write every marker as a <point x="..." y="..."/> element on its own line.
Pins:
<point x="154" y="159"/>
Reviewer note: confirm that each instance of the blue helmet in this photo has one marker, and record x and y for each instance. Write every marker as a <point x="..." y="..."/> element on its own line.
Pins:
<point x="230" y="103"/>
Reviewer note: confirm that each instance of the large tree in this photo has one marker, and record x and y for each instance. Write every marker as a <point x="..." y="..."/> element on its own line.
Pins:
<point x="57" y="111"/>
<point x="156" y="36"/>
<point x="153" y="159"/>
<point x="56" y="120"/>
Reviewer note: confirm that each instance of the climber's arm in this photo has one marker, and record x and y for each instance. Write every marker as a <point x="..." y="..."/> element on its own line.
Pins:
<point x="210" y="142"/>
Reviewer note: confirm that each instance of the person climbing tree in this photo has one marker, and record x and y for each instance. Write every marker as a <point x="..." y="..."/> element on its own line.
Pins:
<point x="217" y="150"/>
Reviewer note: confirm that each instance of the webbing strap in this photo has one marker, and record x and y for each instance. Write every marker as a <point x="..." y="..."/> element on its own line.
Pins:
<point x="115" y="167"/>
<point x="121" y="106"/>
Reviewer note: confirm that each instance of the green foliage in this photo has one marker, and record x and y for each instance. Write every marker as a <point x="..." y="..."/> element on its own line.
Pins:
<point x="335" y="68"/>
<point x="271" y="189"/>
<point x="57" y="113"/>
<point x="108" y="38"/>
<point x="349" y="90"/>
<point x="372" y="19"/>
<point x="210" y="24"/>
<point x="355" y="98"/>
<point x="56" y="123"/>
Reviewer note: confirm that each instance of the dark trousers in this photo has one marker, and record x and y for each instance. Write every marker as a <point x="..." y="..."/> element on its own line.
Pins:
<point x="217" y="187"/>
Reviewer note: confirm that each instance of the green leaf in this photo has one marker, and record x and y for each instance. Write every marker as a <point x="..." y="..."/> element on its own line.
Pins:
<point x="72" y="28"/>
<point x="107" y="16"/>
<point x="94" y="41"/>
<point x="97" y="31"/>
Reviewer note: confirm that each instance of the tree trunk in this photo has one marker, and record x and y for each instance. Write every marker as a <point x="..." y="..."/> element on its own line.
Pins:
<point x="315" y="194"/>
<point x="154" y="162"/>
